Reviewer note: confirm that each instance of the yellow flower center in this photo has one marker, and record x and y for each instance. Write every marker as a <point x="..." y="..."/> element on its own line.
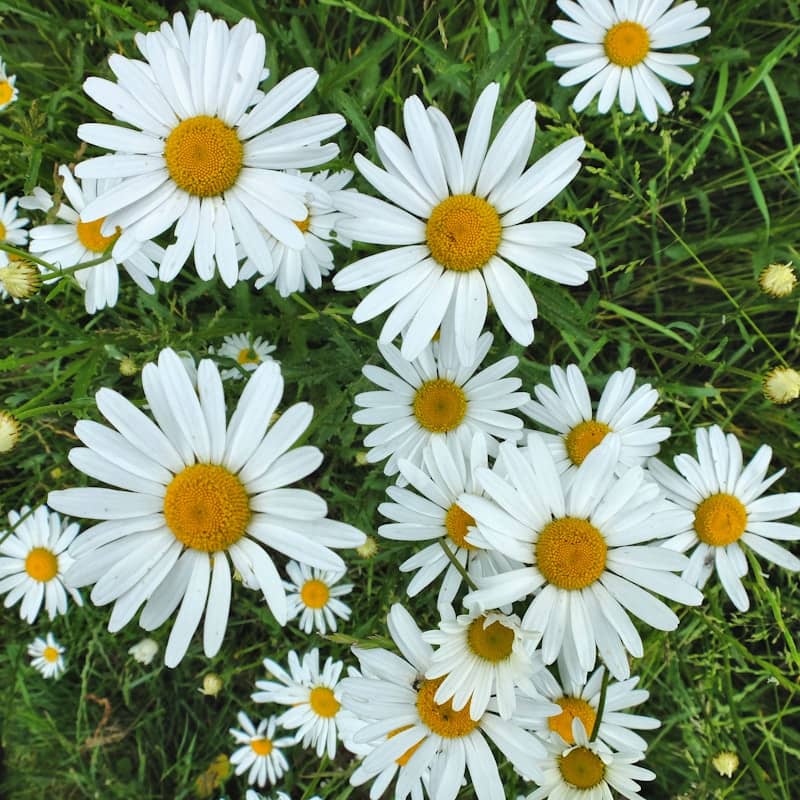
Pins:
<point x="440" y="717"/>
<point x="41" y="564"/>
<point x="627" y="44"/>
<point x="6" y="92"/>
<point x="204" y="156"/>
<point x="2" y="227"/>
<point x="206" y="507"/>
<point x="248" y="356"/>
<point x="50" y="654"/>
<point x="572" y="708"/>
<point x="463" y="232"/>
<point x="583" y="438"/>
<point x="493" y="642"/>
<point x="303" y="224"/>
<point x="91" y="238"/>
<point x="323" y="702"/>
<point x="315" y="594"/>
<point x="406" y="757"/>
<point x="261" y="747"/>
<point x="720" y="519"/>
<point x="440" y="405"/>
<point x="457" y="522"/>
<point x="571" y="553"/>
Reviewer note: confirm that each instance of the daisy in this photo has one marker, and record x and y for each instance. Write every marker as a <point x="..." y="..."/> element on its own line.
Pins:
<point x="313" y="595"/>
<point x="458" y="218"/>
<point x="617" y="50"/>
<point x="260" y="751"/>
<point x="246" y="351"/>
<point x="194" y="491"/>
<point x="46" y="656"/>
<point x="201" y="148"/>
<point x="9" y="432"/>
<point x="33" y="560"/>
<point x="727" y="510"/>
<point x="587" y="547"/>
<point x="145" y="651"/>
<point x="8" y="90"/>
<point x="73" y="241"/>
<point x="12" y="227"/>
<point x="436" y="397"/>
<point x="568" y="410"/>
<point x="251" y="794"/>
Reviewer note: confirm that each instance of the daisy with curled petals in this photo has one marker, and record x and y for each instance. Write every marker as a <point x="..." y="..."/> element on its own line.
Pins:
<point x="617" y="51"/>
<point x="567" y="409"/>
<point x="200" y="147"/>
<point x="399" y="703"/>
<point x="313" y="595"/>
<point x="47" y="656"/>
<point x="437" y="397"/>
<point x="458" y="216"/>
<point x="588" y="550"/>
<point x="8" y="90"/>
<point x="12" y="227"/>
<point x="728" y="510"/>
<point x="246" y="351"/>
<point x="33" y="560"/>
<point x="260" y="751"/>
<point x="195" y="490"/>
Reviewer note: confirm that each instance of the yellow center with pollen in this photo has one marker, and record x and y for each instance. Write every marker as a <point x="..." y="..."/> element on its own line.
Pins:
<point x="492" y="643"/>
<point x="440" y="405"/>
<point x="720" y="519"/>
<point x="248" y="356"/>
<point x="406" y="757"/>
<point x="463" y="232"/>
<point x="261" y="747"/>
<point x="627" y="44"/>
<point x="204" y="156"/>
<point x="315" y="594"/>
<point x="583" y="438"/>
<point x="50" y="654"/>
<point x="6" y="93"/>
<point x="582" y="768"/>
<point x="303" y="224"/>
<point x="90" y="237"/>
<point x="440" y="717"/>
<point x="206" y="507"/>
<point x="572" y="708"/>
<point x="3" y="231"/>
<point x="571" y="553"/>
<point x="456" y="523"/>
<point x="323" y="702"/>
<point x="41" y="564"/>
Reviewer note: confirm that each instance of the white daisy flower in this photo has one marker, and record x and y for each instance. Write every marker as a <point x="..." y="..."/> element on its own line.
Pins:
<point x="458" y="217"/>
<point x="314" y="695"/>
<point x="12" y="227"/>
<point x="246" y="351"/>
<point x="727" y="510"/>
<point x="568" y="410"/>
<point x="8" y="89"/>
<point x="201" y="148"/>
<point x="145" y="651"/>
<point x="400" y="704"/>
<point x="437" y="397"/>
<point x="74" y="241"/>
<point x="251" y="794"/>
<point x="313" y="595"/>
<point x="260" y="751"/>
<point x="617" y="51"/>
<point x="33" y="560"/>
<point x="194" y="491"/>
<point x="585" y="545"/>
<point x="46" y="656"/>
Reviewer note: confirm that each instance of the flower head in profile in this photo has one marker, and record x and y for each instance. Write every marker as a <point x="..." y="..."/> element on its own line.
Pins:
<point x="9" y="432"/>
<point x="47" y="656"/>
<point x="314" y="596"/>
<point x="778" y="280"/>
<point x="260" y="750"/>
<point x="247" y="351"/>
<point x="781" y="385"/>
<point x="8" y="90"/>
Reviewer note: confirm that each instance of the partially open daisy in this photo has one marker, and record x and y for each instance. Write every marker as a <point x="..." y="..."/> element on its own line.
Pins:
<point x="248" y="352"/>
<point x="195" y="490"/>
<point x="313" y="595"/>
<point x="437" y="397"/>
<point x="47" y="656"/>
<point x="12" y="227"/>
<point x="260" y="751"/>
<point x="201" y="147"/>
<point x="8" y="89"/>
<point x="587" y="545"/>
<point x="459" y="218"/>
<point x="568" y="410"/>
<point x="33" y="561"/>
<point x="728" y="511"/>
<point x="617" y="50"/>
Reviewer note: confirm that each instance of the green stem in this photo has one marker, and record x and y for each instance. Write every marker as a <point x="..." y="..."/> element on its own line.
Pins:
<point x="457" y="564"/>
<point x="601" y="705"/>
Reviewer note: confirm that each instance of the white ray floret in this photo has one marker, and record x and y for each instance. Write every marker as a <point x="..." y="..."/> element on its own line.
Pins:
<point x="314" y="596"/>
<point x="47" y="656"/>
<point x="260" y="752"/>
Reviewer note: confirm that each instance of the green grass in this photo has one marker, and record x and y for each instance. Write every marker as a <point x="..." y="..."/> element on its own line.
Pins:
<point x="681" y="218"/>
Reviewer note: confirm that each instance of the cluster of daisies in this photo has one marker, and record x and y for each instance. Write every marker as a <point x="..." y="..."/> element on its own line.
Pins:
<point x="545" y="521"/>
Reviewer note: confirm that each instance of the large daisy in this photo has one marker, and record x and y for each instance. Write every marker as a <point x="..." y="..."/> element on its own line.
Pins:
<point x="8" y="89"/>
<point x="617" y="50"/>
<point x="201" y="147"/>
<point x="459" y="218"/>
<point x="195" y="490"/>
<point x="727" y="511"/>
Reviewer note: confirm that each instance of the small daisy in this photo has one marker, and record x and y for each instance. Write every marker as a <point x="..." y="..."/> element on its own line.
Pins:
<point x="617" y="51"/>
<point x="8" y="90"/>
<point x="587" y="545"/>
<point x="9" y="432"/>
<point x="781" y="385"/>
<point x="145" y="651"/>
<point x="195" y="490"/>
<point x="46" y="656"/>
<point x="260" y="751"/>
<point x="251" y="794"/>
<point x="727" y="510"/>
<point x="19" y="279"/>
<point x="313" y="595"/>
<point x="246" y="351"/>
<point x="12" y="227"/>
<point x="33" y="560"/>
<point x="778" y="280"/>
<point x="568" y="410"/>
<point x="458" y="217"/>
<point x="437" y="398"/>
<point x="201" y="148"/>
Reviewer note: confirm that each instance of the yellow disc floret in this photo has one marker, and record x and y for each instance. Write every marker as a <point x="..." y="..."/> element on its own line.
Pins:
<point x="572" y="708"/>
<point x="6" y="93"/>
<point x="571" y="553"/>
<point x="248" y="356"/>
<point x="315" y="594"/>
<point x="206" y="507"/>
<point x="493" y="642"/>
<point x="50" y="654"/>
<point x="41" y="564"/>
<point x="583" y="438"/>
<point x="463" y="232"/>
<point x="582" y="768"/>
<point x="303" y="224"/>
<point x="627" y="44"/>
<point x="204" y="156"/>
<point x="440" y="717"/>
<point x="91" y="238"/>
<point x="323" y="702"/>
<point x="440" y="405"/>
<point x="457" y="523"/>
<point x="720" y="519"/>
<point x="3" y="231"/>
<point x="261" y="747"/>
